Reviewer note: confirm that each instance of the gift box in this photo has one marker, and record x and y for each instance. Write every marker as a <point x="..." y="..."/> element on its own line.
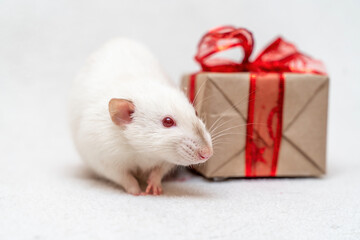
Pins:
<point x="268" y="117"/>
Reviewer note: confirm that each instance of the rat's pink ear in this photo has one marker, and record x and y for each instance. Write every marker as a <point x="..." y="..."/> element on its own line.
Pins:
<point x="120" y="111"/>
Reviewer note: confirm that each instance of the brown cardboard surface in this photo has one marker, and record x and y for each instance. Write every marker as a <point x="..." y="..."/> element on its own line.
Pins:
<point x="222" y="101"/>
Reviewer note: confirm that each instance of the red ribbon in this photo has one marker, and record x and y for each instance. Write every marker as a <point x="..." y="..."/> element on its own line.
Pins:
<point x="279" y="56"/>
<point x="266" y="92"/>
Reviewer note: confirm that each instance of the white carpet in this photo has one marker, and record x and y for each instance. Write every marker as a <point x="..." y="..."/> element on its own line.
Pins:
<point x="46" y="193"/>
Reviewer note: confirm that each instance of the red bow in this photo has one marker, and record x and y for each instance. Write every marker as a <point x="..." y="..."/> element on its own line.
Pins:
<point x="279" y="56"/>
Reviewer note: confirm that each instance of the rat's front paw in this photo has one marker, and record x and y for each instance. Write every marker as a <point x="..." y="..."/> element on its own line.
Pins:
<point x="154" y="188"/>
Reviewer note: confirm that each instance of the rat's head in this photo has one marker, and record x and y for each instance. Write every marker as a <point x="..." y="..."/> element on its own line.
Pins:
<point x="163" y="124"/>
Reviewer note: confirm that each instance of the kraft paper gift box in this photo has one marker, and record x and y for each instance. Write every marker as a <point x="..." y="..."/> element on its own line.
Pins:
<point x="302" y="150"/>
<point x="268" y="117"/>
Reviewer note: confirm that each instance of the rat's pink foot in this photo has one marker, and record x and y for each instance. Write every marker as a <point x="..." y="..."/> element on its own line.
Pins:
<point x="154" y="188"/>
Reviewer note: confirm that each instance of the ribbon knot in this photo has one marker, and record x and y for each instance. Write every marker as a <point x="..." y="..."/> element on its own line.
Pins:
<point x="279" y="56"/>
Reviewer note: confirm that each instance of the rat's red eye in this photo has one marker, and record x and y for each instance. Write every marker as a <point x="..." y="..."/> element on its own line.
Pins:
<point x="168" y="122"/>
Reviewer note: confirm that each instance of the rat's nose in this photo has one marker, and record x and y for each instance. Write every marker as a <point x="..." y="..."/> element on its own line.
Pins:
<point x="205" y="153"/>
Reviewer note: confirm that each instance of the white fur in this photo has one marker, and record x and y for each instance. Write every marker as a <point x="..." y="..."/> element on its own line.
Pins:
<point x="125" y="69"/>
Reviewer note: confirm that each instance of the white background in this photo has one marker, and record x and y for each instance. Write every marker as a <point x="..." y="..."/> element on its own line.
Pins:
<point x="44" y="43"/>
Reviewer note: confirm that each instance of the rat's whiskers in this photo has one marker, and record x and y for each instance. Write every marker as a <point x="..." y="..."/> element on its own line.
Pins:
<point x="231" y="107"/>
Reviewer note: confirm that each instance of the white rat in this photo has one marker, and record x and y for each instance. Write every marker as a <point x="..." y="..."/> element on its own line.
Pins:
<point x="128" y="121"/>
